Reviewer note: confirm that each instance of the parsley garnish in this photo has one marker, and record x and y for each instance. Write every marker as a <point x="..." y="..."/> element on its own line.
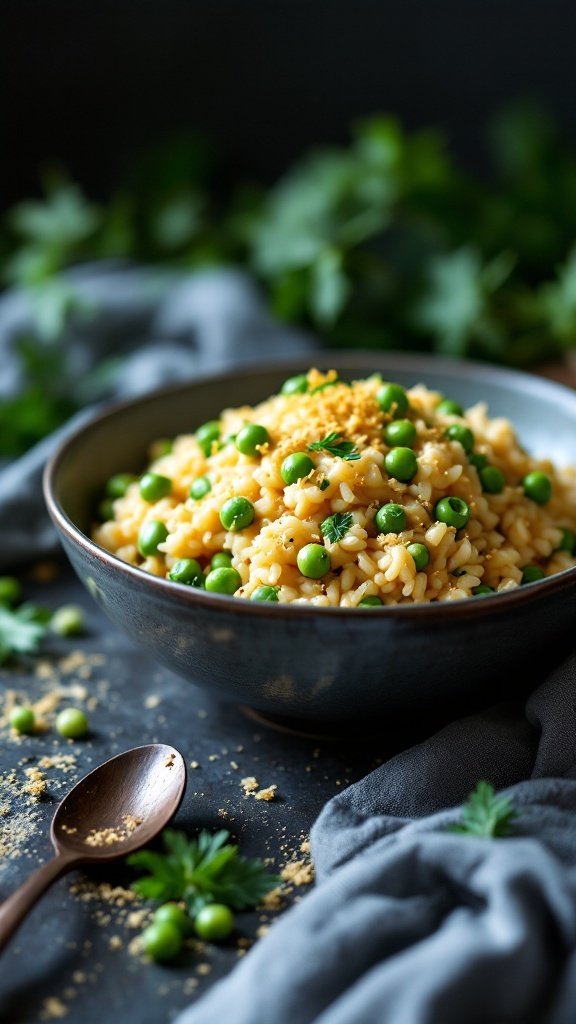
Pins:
<point x="486" y="814"/>
<point x="335" y="527"/>
<point x="200" y="871"/>
<point x="21" y="629"/>
<point x="343" y="449"/>
<point x="324" y="484"/>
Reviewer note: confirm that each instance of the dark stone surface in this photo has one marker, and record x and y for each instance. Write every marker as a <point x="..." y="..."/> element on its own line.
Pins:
<point x="138" y="702"/>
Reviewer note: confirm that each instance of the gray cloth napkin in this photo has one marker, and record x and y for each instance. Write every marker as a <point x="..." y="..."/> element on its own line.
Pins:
<point x="412" y="924"/>
<point x="166" y="327"/>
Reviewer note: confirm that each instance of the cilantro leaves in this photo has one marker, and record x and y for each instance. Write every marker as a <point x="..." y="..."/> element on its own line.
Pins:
<point x="335" y="527"/>
<point x="486" y="814"/>
<point x="21" y="629"/>
<point x="205" y="870"/>
<point x="343" y="449"/>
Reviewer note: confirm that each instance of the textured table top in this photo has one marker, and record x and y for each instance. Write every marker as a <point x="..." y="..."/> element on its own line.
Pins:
<point x="74" y="958"/>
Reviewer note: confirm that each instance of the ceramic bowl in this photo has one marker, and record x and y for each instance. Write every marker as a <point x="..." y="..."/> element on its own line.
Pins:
<point x="330" y="664"/>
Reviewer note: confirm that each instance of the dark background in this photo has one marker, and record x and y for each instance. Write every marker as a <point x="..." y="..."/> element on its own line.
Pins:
<point x="92" y="83"/>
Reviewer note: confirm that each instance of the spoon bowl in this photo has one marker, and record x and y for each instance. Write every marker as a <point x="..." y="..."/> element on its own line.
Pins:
<point x="112" y="811"/>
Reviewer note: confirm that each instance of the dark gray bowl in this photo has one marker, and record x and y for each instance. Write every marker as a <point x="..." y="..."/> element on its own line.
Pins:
<point x="327" y="664"/>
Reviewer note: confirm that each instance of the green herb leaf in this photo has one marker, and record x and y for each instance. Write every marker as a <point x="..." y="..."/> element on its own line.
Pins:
<point x="21" y="629"/>
<point x="205" y="870"/>
<point x="486" y="814"/>
<point x="335" y="527"/>
<point x="342" y="449"/>
<point x="324" y="385"/>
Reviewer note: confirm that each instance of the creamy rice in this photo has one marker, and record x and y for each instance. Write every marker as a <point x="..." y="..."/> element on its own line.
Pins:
<point x="506" y="531"/>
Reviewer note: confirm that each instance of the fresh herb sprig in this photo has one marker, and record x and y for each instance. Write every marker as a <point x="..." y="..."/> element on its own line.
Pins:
<point x="486" y="814"/>
<point x="335" y="527"/>
<point x="21" y="629"/>
<point x="200" y="871"/>
<point x="346" y="450"/>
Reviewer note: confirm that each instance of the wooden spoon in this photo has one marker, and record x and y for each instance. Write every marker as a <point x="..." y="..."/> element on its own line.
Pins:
<point x="111" y="812"/>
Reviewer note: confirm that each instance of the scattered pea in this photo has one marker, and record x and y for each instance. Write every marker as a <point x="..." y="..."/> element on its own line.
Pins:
<point x="390" y="518"/>
<point x="492" y="479"/>
<point x="106" y="510"/>
<point x="162" y="941"/>
<point x="264" y="594"/>
<point x="72" y="723"/>
<point x="538" y="487"/>
<point x="313" y="561"/>
<point x="251" y="438"/>
<point x="295" y="385"/>
<point x="483" y="588"/>
<point x="532" y="573"/>
<point x="152" y="534"/>
<point x="449" y="408"/>
<point x="154" y="486"/>
<point x="401" y="463"/>
<point x="188" y="571"/>
<point x="223" y="581"/>
<point x="236" y="514"/>
<point x="400" y="432"/>
<point x="420" y="555"/>
<point x="68" y="620"/>
<point x="568" y="542"/>
<point x="452" y="511"/>
<point x="370" y="602"/>
<point x="119" y="484"/>
<point x="171" y="913"/>
<point x="214" y="922"/>
<point x="221" y="560"/>
<point x="393" y="399"/>
<point x="462" y="434"/>
<point x="295" y="467"/>
<point x="10" y="590"/>
<point x="22" y="719"/>
<point x="200" y="487"/>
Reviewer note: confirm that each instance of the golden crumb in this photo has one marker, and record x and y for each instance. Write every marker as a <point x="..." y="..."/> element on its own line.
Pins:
<point x="194" y="764"/>
<point x="115" y="942"/>
<point x="152" y="700"/>
<point x="249" y="784"/>
<point x="274" y="899"/>
<point x="298" y="872"/>
<point x="112" y="835"/>
<point x="269" y="793"/>
<point x="53" y="1009"/>
<point x="204" y="968"/>
<point x="305" y="846"/>
<point x="35" y="787"/>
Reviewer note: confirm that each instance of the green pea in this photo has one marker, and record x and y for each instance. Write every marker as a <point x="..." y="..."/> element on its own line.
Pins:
<point x="163" y="446"/>
<point x="68" y="620"/>
<point x="390" y="518"/>
<point x="532" y="573"/>
<point x="393" y="399"/>
<point x="492" y="479"/>
<point x="313" y="561"/>
<point x="449" y="408"/>
<point x="171" y="913"/>
<point x="478" y="460"/>
<point x="162" y="941"/>
<point x="152" y="534"/>
<point x="154" y="486"/>
<point x="200" y="487"/>
<point x="370" y="602"/>
<point x="10" y="590"/>
<point x="221" y="560"/>
<point x="295" y="385"/>
<point x="483" y="588"/>
<point x="119" y="484"/>
<point x="207" y="434"/>
<point x="295" y="467"/>
<point x="72" y="723"/>
<point x="236" y="514"/>
<point x="400" y="432"/>
<point x="538" y="487"/>
<point x="420" y="555"/>
<point x="264" y="594"/>
<point x="106" y="510"/>
<point x="223" y="581"/>
<point x="188" y="571"/>
<point x="22" y="719"/>
<point x="464" y="436"/>
<point x="214" y="922"/>
<point x="568" y="542"/>
<point x="401" y="463"/>
<point x="251" y="438"/>
<point x="452" y="511"/>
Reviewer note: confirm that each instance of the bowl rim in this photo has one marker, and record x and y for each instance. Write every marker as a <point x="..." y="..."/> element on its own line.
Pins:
<point x="517" y="380"/>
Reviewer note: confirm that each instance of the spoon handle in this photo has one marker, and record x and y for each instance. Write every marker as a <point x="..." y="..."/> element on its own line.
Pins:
<point x="14" y="909"/>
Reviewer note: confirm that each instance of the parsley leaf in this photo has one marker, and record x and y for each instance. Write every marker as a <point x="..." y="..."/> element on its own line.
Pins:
<point x="21" y="629"/>
<point x="335" y="527"/>
<point x="343" y="449"/>
<point x="205" y="870"/>
<point x="486" y="814"/>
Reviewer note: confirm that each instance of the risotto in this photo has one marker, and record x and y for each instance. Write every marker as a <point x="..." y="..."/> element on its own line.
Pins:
<point x="359" y="494"/>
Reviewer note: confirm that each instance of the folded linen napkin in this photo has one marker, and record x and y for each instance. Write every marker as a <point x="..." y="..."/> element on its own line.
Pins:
<point x="413" y="924"/>
<point x="166" y="327"/>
